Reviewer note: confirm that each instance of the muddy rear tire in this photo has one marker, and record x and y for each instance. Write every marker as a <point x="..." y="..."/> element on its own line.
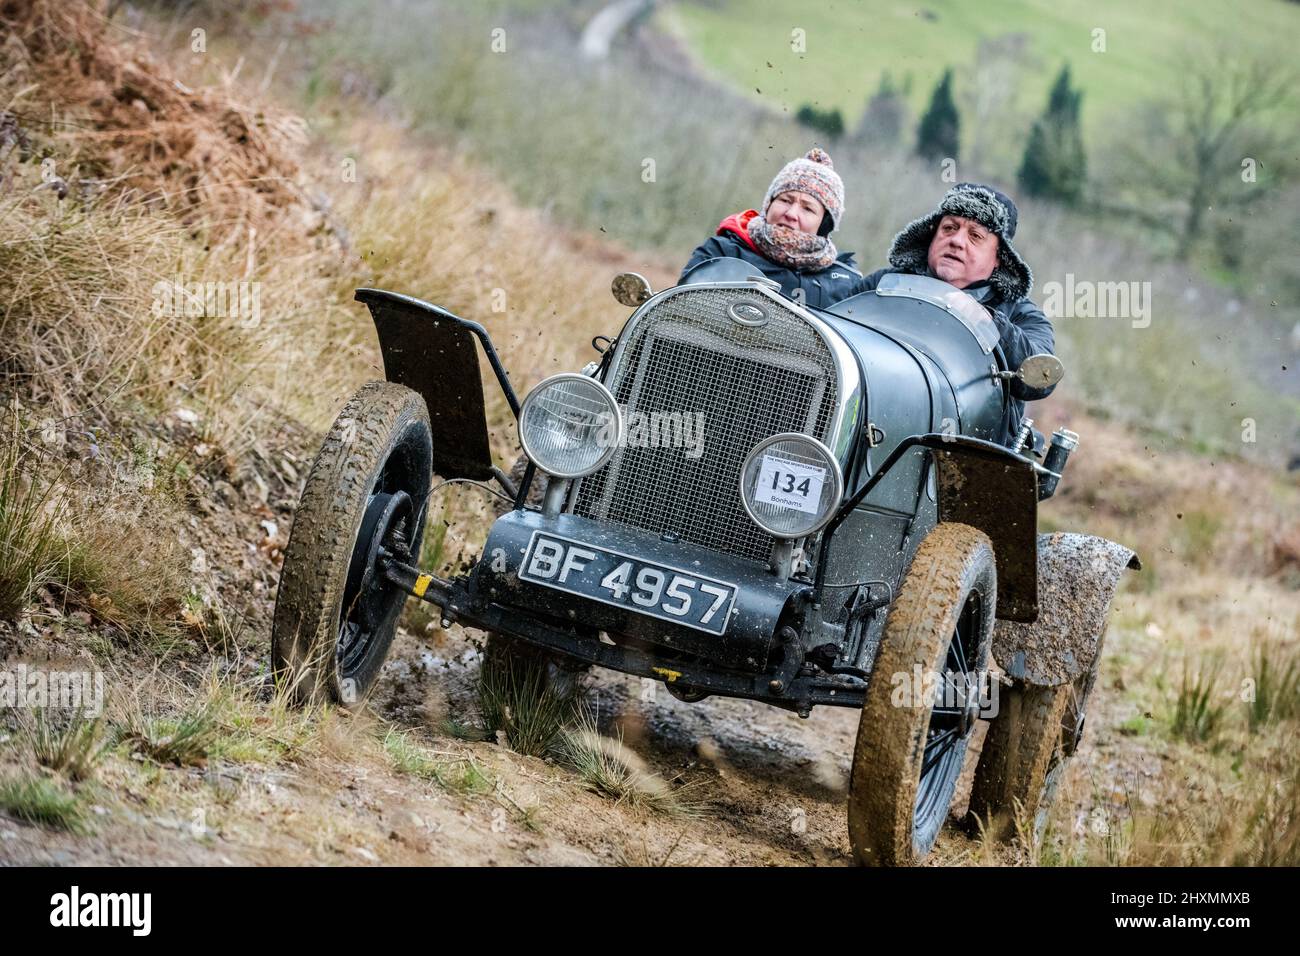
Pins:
<point x="1025" y="755"/>
<point x="335" y="615"/>
<point x="910" y="750"/>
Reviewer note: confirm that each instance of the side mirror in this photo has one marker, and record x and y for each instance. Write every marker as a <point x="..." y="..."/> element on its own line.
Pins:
<point x="630" y="289"/>
<point x="1040" y="371"/>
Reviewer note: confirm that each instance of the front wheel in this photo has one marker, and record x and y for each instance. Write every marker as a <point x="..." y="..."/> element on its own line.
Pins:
<point x="335" y="613"/>
<point x="922" y="700"/>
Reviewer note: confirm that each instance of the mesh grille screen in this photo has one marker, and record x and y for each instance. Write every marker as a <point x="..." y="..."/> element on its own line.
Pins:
<point x="687" y="356"/>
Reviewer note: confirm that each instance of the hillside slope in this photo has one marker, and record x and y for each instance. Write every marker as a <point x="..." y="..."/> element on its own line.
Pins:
<point x="848" y="46"/>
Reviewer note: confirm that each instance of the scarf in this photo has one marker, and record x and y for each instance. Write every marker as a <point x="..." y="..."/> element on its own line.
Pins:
<point x="791" y="248"/>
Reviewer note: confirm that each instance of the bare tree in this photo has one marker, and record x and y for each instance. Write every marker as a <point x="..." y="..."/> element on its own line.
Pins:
<point x="991" y="100"/>
<point x="1205" y="147"/>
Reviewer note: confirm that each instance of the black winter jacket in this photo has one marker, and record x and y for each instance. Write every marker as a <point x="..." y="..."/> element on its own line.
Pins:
<point x="1025" y="331"/>
<point x="820" y="289"/>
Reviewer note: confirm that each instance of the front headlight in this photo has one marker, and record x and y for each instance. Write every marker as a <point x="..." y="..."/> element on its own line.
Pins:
<point x="791" y="485"/>
<point x="569" y="425"/>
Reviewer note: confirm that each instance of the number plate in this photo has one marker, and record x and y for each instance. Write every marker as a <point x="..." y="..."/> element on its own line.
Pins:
<point x="622" y="580"/>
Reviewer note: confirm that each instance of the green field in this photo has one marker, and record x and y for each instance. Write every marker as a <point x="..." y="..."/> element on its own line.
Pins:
<point x="850" y="44"/>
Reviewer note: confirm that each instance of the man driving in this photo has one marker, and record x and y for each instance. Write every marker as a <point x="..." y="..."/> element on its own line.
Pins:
<point x="966" y="242"/>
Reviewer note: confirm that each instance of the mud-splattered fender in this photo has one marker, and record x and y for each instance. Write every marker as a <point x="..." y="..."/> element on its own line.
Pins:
<point x="1077" y="578"/>
<point x="433" y="352"/>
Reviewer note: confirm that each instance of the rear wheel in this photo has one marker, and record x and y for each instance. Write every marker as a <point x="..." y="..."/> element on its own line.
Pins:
<point x="922" y="701"/>
<point x="335" y="613"/>
<point x="1026" y="754"/>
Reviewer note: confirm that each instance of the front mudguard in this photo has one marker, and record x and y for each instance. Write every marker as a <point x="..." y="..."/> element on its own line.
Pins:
<point x="433" y="352"/>
<point x="1078" y="575"/>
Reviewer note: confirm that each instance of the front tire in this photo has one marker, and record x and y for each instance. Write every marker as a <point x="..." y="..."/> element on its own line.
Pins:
<point x="910" y="748"/>
<point x="335" y="615"/>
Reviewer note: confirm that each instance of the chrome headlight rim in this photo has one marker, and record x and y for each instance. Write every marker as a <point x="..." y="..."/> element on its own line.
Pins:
<point x="837" y="477"/>
<point x="614" y="410"/>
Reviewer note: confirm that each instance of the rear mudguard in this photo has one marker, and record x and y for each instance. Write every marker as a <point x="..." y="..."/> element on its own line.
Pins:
<point x="432" y="352"/>
<point x="1077" y="578"/>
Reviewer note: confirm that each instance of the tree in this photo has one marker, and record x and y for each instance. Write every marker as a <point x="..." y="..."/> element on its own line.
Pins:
<point x="1054" y="166"/>
<point x="1207" y="147"/>
<point x="830" y="122"/>
<point x="989" y="95"/>
<point x="885" y="115"/>
<point x="938" y="135"/>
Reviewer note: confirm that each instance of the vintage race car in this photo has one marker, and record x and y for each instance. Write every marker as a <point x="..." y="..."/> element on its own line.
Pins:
<point x="742" y="497"/>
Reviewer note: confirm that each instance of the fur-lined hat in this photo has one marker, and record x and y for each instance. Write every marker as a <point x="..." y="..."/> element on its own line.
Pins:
<point x="992" y="209"/>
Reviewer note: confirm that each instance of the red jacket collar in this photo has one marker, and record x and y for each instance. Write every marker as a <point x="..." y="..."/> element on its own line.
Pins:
<point x="738" y="224"/>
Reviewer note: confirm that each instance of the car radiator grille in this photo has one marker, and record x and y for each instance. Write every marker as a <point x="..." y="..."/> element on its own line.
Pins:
<point x="688" y="356"/>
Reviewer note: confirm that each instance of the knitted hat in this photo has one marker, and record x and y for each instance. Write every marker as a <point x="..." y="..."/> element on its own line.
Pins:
<point x="812" y="174"/>
<point x="992" y="209"/>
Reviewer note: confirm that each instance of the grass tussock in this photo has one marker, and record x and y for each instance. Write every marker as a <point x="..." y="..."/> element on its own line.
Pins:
<point x="184" y="740"/>
<point x="609" y="768"/>
<point x="224" y="719"/>
<point x="29" y="520"/>
<point x="533" y="715"/>
<point x="519" y="701"/>
<point x="1275" y="686"/>
<point x="1199" y="714"/>
<point x="457" y="773"/>
<point x="72" y="748"/>
<point x="38" y="799"/>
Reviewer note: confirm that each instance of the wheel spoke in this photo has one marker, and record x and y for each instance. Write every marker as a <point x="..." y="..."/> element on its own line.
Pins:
<point x="960" y="689"/>
<point x="959" y="652"/>
<point x="946" y="741"/>
<point x="940" y="737"/>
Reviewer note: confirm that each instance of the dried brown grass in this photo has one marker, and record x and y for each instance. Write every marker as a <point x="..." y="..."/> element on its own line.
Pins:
<point x="123" y="123"/>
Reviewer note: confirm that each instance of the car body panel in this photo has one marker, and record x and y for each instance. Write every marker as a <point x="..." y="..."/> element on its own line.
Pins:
<point x="434" y="353"/>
